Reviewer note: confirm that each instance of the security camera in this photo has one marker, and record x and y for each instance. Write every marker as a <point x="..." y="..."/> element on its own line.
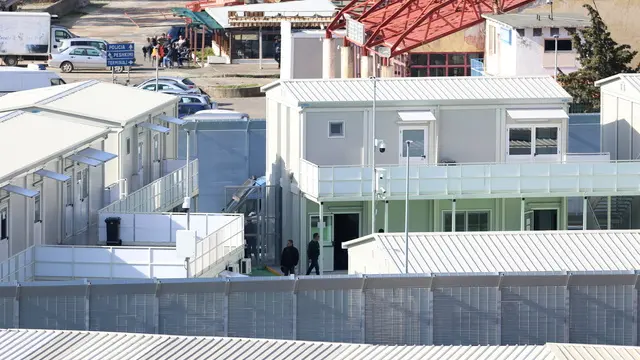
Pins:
<point x="382" y="147"/>
<point x="549" y="2"/>
<point x="381" y="175"/>
<point x="382" y="191"/>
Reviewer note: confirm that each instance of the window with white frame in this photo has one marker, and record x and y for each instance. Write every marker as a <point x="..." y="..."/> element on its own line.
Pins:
<point x="336" y="129"/>
<point x="37" y="209"/>
<point x="472" y="220"/>
<point x="69" y="192"/>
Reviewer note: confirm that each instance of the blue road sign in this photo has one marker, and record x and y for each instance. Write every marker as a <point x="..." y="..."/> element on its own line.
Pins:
<point x="120" y="54"/>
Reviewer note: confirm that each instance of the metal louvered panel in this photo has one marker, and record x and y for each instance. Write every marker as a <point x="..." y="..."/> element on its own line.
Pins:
<point x="465" y="316"/>
<point x="397" y="316"/>
<point x="196" y="314"/>
<point x="532" y="315"/>
<point x="6" y="312"/>
<point x="602" y="315"/>
<point x="47" y="308"/>
<point x="124" y="307"/>
<point x="330" y="315"/>
<point x="261" y="314"/>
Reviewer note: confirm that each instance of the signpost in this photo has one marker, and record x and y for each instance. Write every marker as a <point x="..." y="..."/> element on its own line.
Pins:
<point x="120" y="55"/>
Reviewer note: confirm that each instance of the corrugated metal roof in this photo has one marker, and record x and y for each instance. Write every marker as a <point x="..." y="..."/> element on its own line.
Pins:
<point x="22" y="344"/>
<point x="112" y="102"/>
<point x="530" y="251"/>
<point x="541" y="20"/>
<point x="434" y="89"/>
<point x="29" y="140"/>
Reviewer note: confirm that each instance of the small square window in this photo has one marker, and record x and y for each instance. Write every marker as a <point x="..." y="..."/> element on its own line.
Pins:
<point x="520" y="32"/>
<point x="537" y="32"/>
<point x="336" y="129"/>
<point x="555" y="31"/>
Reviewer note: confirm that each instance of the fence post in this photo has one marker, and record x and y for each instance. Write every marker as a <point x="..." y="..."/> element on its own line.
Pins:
<point x="430" y="311"/>
<point x="225" y="306"/>
<point x="567" y="310"/>
<point x="363" y="309"/>
<point x="499" y="311"/>
<point x="156" y="308"/>
<point x="87" y="305"/>
<point x="295" y="308"/>
<point x="16" y="307"/>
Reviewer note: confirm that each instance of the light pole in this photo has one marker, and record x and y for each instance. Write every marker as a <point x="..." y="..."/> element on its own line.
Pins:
<point x="555" y="61"/>
<point x="373" y="157"/>
<point x="406" y="212"/>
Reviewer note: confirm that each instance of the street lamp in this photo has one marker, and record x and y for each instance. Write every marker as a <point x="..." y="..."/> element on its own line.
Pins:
<point x="406" y="211"/>
<point x="555" y="65"/>
<point x="373" y="157"/>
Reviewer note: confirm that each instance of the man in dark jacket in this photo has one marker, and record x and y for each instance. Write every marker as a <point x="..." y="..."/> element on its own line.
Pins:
<point x="313" y="253"/>
<point x="276" y="51"/>
<point x="289" y="259"/>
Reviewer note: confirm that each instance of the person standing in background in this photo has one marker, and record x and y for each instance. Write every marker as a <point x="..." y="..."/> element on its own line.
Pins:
<point x="313" y="253"/>
<point x="289" y="259"/>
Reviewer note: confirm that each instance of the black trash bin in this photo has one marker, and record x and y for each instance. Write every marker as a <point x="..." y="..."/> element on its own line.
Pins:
<point x="113" y="231"/>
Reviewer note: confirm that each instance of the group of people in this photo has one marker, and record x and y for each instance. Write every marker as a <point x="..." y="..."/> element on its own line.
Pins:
<point x="165" y="51"/>
<point x="290" y="256"/>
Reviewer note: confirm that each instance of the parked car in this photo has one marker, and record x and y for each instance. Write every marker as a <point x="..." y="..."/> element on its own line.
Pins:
<point x="96" y="43"/>
<point x="185" y="109"/>
<point x="81" y="58"/>
<point x="217" y="114"/>
<point x="168" y="85"/>
<point x="180" y="80"/>
<point x="187" y="98"/>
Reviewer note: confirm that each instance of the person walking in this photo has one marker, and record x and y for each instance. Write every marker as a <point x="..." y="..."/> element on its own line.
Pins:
<point x="313" y="253"/>
<point x="289" y="259"/>
<point x="276" y="51"/>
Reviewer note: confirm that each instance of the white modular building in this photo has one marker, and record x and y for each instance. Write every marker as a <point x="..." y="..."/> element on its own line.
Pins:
<point x="63" y="146"/>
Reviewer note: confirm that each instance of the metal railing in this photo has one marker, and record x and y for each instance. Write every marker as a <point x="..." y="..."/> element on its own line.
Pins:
<point x="20" y="267"/>
<point x="574" y="173"/>
<point x="160" y="195"/>
<point x="217" y="248"/>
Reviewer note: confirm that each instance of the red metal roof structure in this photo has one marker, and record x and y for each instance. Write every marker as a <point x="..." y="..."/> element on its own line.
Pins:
<point x="402" y="25"/>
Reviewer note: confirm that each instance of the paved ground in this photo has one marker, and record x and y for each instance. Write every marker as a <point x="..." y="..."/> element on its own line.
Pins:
<point x="110" y="21"/>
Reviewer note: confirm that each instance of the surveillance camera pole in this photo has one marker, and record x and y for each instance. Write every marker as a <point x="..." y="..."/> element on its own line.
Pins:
<point x="373" y="159"/>
<point x="406" y="213"/>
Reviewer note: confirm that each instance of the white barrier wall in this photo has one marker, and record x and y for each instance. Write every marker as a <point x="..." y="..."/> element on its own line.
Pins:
<point x="222" y="247"/>
<point x="160" y="228"/>
<point x="18" y="267"/>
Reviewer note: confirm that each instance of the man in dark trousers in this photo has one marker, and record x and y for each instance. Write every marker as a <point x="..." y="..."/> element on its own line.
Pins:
<point x="289" y="259"/>
<point x="276" y="51"/>
<point x="313" y="253"/>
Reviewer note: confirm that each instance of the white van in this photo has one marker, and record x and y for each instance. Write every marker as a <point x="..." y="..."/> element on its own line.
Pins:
<point x="216" y="114"/>
<point x="18" y="79"/>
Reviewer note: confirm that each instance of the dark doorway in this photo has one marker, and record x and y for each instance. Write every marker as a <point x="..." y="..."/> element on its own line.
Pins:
<point x="346" y="227"/>
<point x="545" y="220"/>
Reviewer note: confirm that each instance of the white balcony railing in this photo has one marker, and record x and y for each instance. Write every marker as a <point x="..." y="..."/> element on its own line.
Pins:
<point x="575" y="175"/>
<point x="216" y="250"/>
<point x="161" y="195"/>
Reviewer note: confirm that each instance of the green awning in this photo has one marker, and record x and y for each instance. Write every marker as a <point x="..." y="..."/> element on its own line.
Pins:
<point x="198" y="18"/>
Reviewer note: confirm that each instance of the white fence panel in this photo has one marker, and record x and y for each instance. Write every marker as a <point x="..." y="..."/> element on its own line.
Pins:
<point x="160" y="228"/>
<point x="70" y="262"/>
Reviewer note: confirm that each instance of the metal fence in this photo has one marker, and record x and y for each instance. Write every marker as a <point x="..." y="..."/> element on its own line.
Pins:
<point x="486" y="309"/>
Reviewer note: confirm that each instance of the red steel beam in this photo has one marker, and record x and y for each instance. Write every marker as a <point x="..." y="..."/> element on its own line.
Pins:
<point x="386" y="22"/>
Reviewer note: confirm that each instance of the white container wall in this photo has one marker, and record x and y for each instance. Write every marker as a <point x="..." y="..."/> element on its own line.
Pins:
<point x="224" y="246"/>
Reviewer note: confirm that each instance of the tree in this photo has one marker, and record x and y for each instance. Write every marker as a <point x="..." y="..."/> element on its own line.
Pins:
<point x="600" y="57"/>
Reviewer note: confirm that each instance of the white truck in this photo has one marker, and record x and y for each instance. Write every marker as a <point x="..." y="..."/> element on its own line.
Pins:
<point x="19" y="79"/>
<point x="29" y="36"/>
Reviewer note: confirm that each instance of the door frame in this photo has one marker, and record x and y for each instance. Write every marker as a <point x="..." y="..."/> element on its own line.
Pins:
<point x="413" y="160"/>
<point x="532" y="157"/>
<point x="544" y="207"/>
<point x="358" y="211"/>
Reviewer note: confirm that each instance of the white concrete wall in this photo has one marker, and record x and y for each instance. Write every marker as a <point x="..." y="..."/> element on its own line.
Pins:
<point x="525" y="55"/>
<point x="301" y="53"/>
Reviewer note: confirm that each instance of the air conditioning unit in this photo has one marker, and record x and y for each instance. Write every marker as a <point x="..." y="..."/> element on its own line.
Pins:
<point x="245" y="266"/>
<point x="232" y="267"/>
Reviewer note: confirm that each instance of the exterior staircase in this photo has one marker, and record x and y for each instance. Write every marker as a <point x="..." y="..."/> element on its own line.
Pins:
<point x="620" y="211"/>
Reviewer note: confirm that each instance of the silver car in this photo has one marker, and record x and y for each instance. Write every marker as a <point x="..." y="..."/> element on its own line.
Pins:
<point x="175" y="79"/>
<point x="164" y="85"/>
<point x="80" y="58"/>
